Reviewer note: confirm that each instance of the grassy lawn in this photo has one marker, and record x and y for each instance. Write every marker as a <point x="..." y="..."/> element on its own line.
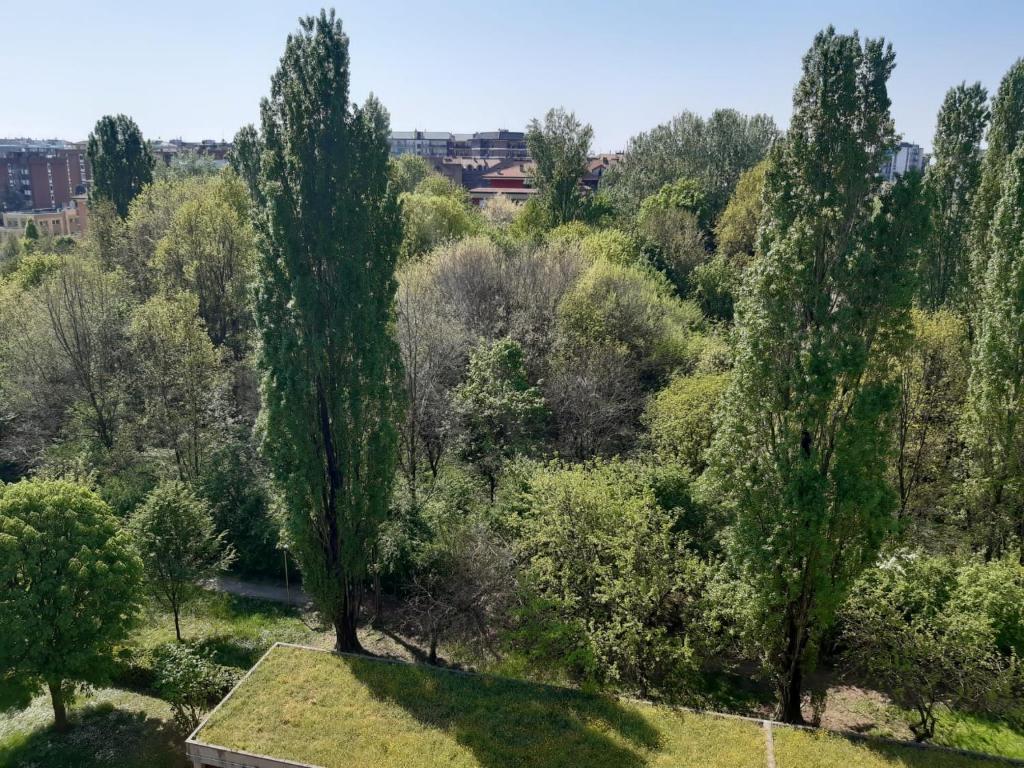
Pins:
<point x="237" y="630"/>
<point x="332" y="711"/>
<point x="110" y="728"/>
<point x="127" y="726"/>
<point x="875" y="716"/>
<point x="803" y="749"/>
<point x="979" y="734"/>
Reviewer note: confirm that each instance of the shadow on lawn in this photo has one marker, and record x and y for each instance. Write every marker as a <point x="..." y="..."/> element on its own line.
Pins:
<point x="100" y="737"/>
<point x="505" y="722"/>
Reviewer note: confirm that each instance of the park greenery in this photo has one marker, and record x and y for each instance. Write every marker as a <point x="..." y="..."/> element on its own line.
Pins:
<point x="745" y="416"/>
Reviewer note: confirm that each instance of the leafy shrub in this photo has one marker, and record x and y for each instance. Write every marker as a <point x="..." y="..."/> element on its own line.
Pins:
<point x="681" y="418"/>
<point x="611" y="582"/>
<point x="716" y="285"/>
<point x="190" y="681"/>
<point x="612" y="245"/>
<point x="927" y="630"/>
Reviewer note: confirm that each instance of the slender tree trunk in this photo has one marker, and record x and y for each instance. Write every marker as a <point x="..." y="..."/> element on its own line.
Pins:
<point x="60" y="712"/>
<point x="378" y="598"/>
<point x="432" y="658"/>
<point x="177" y="621"/>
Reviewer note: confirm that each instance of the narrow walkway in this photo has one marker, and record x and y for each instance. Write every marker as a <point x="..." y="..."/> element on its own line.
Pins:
<point x="272" y="592"/>
<point x="769" y="744"/>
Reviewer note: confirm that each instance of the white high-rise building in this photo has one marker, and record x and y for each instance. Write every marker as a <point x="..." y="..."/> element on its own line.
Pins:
<point x="907" y="157"/>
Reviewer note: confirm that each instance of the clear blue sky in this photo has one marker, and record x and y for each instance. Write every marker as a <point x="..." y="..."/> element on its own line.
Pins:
<point x="198" y="69"/>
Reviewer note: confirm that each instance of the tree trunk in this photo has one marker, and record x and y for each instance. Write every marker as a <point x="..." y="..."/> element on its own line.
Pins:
<point x="791" y="679"/>
<point x="177" y="622"/>
<point x="346" y="622"/>
<point x="378" y="598"/>
<point x="60" y="712"/>
<point x="791" y="696"/>
<point x="432" y="658"/>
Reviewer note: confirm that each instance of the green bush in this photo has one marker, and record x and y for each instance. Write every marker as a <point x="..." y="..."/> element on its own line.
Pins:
<point x="190" y="681"/>
<point x="927" y="630"/>
<point x="680" y="419"/>
<point x="613" y="590"/>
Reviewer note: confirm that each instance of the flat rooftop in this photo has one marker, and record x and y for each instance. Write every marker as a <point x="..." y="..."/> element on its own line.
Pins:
<point x="301" y="706"/>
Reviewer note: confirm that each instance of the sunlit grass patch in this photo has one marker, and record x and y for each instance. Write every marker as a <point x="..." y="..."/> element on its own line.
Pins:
<point x="815" y="749"/>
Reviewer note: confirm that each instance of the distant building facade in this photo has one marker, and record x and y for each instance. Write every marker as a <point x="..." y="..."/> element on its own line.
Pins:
<point x="166" y="151"/>
<point x="488" y="177"/>
<point x="66" y="220"/>
<point x="485" y="145"/>
<point x="907" y="157"/>
<point x="37" y="175"/>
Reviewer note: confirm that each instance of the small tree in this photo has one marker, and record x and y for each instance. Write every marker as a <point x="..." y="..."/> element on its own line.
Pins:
<point x="70" y="588"/>
<point x="464" y="577"/>
<point x="122" y="163"/>
<point x="498" y="412"/>
<point x="611" y="567"/>
<point x="909" y="630"/>
<point x="177" y="379"/>
<point x="174" y="534"/>
<point x="407" y="171"/>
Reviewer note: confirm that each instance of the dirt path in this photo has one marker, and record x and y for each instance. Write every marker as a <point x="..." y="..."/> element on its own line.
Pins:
<point x="272" y="592"/>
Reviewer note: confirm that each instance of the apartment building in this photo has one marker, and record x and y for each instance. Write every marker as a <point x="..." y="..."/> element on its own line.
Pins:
<point x="907" y="157"/>
<point x="485" y="145"/>
<point x="41" y="174"/>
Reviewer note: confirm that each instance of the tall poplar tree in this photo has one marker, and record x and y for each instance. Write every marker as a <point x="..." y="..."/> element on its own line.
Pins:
<point x="951" y="183"/>
<point x="1005" y="134"/>
<point x="122" y="163"/>
<point x="994" y="417"/>
<point x="559" y="147"/>
<point x="329" y="231"/>
<point x="799" y="461"/>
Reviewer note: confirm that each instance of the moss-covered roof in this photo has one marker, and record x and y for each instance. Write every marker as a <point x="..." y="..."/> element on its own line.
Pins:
<point x="320" y="708"/>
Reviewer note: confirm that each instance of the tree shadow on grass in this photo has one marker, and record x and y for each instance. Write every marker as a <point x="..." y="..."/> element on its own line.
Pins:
<point x="240" y="652"/>
<point x="100" y="736"/>
<point x="510" y="723"/>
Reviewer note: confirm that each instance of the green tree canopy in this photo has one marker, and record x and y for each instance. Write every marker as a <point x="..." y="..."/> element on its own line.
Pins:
<point x="407" y="171"/>
<point x="951" y="183"/>
<point x="122" y="163"/>
<point x="926" y="630"/>
<point x="498" y="413"/>
<point x="737" y="228"/>
<point x="713" y="152"/>
<point x="559" y="147"/>
<point x="70" y="590"/>
<point x="174" y="534"/>
<point x="799" y="461"/>
<point x="329" y="233"/>
<point x="614" y="586"/>
<point x="993" y="428"/>
<point x="177" y="378"/>
<point x="1005" y="134"/>
<point x="209" y="250"/>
